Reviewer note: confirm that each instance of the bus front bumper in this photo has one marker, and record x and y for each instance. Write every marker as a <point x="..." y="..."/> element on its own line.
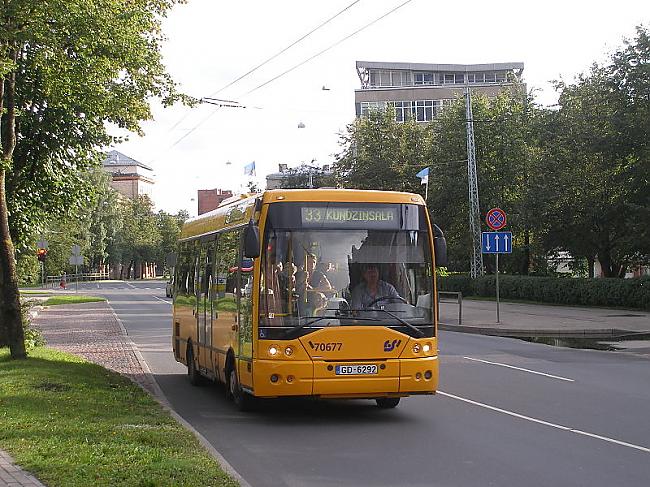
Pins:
<point x="396" y="377"/>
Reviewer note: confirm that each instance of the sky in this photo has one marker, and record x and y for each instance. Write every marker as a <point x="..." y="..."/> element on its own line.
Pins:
<point x="211" y="43"/>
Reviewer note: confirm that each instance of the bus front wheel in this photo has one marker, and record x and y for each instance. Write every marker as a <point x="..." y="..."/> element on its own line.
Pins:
<point x="243" y="401"/>
<point x="387" y="402"/>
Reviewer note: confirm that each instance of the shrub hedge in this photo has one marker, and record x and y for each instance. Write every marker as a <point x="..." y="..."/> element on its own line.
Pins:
<point x="626" y="293"/>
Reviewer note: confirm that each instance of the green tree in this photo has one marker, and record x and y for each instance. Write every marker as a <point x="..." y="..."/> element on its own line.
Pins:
<point x="67" y="69"/>
<point x="139" y="238"/>
<point x="597" y="158"/>
<point x="169" y="228"/>
<point x="381" y="153"/>
<point x="305" y="176"/>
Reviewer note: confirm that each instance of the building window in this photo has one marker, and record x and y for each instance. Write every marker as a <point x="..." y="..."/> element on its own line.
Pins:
<point x="370" y="106"/>
<point x="423" y="78"/>
<point x="501" y="77"/>
<point x="490" y="77"/>
<point x="449" y="79"/>
<point x="402" y="110"/>
<point x="400" y="78"/>
<point x="459" y="78"/>
<point x="381" y="78"/>
<point x="476" y="78"/>
<point x="423" y="110"/>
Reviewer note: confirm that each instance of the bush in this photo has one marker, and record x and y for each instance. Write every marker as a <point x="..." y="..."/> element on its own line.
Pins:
<point x="456" y="283"/>
<point x="626" y="293"/>
<point x="33" y="337"/>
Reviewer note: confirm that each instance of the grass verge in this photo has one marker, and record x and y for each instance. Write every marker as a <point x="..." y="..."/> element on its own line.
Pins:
<point x="73" y="423"/>
<point x="71" y="299"/>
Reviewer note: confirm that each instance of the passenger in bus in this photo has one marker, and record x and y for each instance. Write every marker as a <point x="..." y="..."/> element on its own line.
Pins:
<point x="317" y="274"/>
<point x="366" y="293"/>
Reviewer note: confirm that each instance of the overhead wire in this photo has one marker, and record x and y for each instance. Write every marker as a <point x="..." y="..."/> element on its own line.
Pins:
<point x="268" y="60"/>
<point x="328" y="48"/>
<point x="286" y="48"/>
<point x="296" y="66"/>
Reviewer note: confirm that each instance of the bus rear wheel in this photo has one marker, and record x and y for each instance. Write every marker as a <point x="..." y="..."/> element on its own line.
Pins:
<point x="196" y="379"/>
<point x="387" y="402"/>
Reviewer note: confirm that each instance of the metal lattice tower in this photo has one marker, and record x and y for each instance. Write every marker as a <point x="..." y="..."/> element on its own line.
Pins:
<point x="474" y="213"/>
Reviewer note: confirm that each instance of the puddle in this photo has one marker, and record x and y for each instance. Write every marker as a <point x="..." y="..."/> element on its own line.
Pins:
<point x="613" y="344"/>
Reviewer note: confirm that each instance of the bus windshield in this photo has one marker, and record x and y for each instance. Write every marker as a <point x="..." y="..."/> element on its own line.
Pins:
<point x="370" y="266"/>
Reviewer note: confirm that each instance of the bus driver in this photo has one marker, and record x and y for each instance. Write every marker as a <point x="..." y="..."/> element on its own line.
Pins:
<point x="372" y="289"/>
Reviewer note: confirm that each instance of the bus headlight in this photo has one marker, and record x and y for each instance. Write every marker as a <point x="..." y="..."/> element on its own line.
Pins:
<point x="288" y="351"/>
<point x="416" y="348"/>
<point x="426" y="347"/>
<point x="273" y="350"/>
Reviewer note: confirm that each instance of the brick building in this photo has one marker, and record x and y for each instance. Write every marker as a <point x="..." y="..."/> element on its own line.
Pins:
<point x="210" y="199"/>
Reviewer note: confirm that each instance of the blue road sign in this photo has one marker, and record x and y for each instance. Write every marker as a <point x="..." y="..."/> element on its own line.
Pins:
<point x="496" y="242"/>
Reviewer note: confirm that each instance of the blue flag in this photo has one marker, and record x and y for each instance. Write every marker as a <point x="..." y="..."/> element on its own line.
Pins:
<point x="423" y="175"/>
<point x="249" y="170"/>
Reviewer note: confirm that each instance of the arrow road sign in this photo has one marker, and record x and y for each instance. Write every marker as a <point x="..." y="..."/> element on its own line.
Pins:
<point x="496" y="218"/>
<point x="76" y="250"/>
<point x="496" y="242"/>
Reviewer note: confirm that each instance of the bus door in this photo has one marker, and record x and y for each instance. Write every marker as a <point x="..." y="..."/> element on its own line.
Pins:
<point x="225" y="301"/>
<point x="205" y="309"/>
<point x="245" y="320"/>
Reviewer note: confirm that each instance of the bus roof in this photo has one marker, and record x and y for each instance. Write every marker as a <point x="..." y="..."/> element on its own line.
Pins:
<point x="343" y="195"/>
<point x="239" y="212"/>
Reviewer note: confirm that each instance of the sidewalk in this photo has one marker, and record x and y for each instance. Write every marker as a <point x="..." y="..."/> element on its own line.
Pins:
<point x="92" y="331"/>
<point x="542" y="320"/>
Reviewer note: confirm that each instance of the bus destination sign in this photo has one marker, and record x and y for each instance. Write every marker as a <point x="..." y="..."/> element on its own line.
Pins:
<point x="359" y="217"/>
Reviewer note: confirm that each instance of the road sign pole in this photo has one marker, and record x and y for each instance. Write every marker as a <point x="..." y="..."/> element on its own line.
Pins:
<point x="76" y="281"/>
<point x="497" y="269"/>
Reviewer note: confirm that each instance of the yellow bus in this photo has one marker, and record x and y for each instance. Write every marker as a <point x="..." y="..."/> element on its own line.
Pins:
<point x="327" y="293"/>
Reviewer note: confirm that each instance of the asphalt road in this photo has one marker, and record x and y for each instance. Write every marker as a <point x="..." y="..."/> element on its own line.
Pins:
<point x="509" y="413"/>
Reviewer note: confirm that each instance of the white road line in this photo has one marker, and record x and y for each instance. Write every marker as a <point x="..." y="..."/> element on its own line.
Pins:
<point x="546" y="423"/>
<point x="163" y="300"/>
<point x="519" y="368"/>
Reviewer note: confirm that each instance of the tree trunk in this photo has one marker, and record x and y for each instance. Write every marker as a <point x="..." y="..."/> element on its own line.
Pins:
<point x="605" y="263"/>
<point x="11" y="322"/>
<point x="590" y="267"/>
<point x="10" y="315"/>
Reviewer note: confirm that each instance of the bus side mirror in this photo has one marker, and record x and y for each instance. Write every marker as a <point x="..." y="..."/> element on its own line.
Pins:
<point x="251" y="241"/>
<point x="439" y="246"/>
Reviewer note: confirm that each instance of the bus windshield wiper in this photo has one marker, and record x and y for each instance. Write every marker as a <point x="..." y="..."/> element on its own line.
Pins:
<point x="404" y="322"/>
<point x="308" y="323"/>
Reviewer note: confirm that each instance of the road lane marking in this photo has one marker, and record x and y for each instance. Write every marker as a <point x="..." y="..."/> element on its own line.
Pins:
<point x="163" y="300"/>
<point x="519" y="368"/>
<point x="546" y="423"/>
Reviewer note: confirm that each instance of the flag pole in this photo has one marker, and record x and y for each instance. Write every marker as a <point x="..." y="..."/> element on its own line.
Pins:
<point x="426" y="190"/>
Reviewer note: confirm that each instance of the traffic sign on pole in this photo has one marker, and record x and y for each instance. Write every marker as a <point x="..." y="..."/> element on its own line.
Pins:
<point x="496" y="242"/>
<point x="496" y="219"/>
<point x="76" y="260"/>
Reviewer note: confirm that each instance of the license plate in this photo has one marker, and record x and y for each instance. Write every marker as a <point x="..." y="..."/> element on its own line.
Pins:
<point x="356" y="369"/>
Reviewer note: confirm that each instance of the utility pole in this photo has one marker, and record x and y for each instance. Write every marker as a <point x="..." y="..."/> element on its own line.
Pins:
<point x="476" y="267"/>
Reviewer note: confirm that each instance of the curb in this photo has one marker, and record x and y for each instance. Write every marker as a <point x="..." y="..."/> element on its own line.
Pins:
<point x="160" y="397"/>
<point x="491" y="330"/>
